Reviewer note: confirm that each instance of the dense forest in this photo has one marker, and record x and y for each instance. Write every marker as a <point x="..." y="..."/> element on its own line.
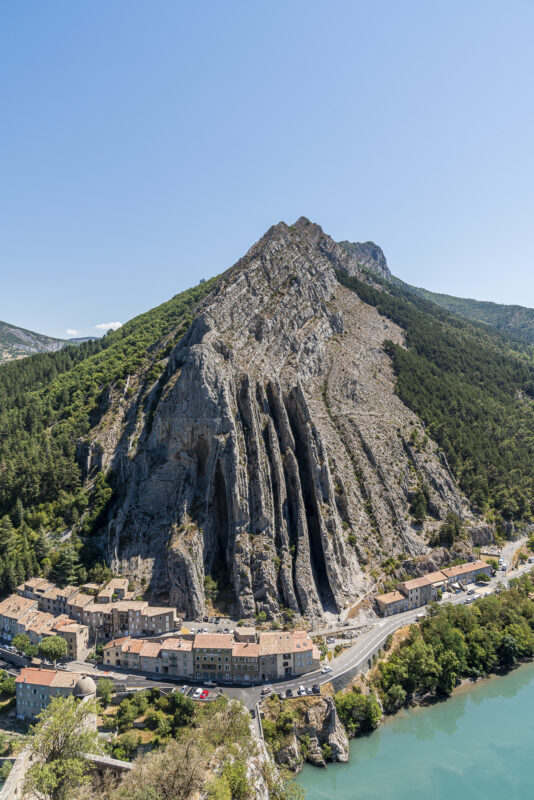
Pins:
<point x="458" y="641"/>
<point x="473" y="388"/>
<point x="47" y="402"/>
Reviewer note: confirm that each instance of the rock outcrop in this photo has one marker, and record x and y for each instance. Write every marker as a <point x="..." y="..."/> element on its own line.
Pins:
<point x="273" y="457"/>
<point x="315" y="726"/>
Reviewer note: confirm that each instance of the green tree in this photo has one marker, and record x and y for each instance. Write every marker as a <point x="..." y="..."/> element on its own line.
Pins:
<point x="66" y="566"/>
<point x="21" y="641"/>
<point x="104" y="690"/>
<point x="53" y="648"/>
<point x="9" y="686"/>
<point x="59" y="742"/>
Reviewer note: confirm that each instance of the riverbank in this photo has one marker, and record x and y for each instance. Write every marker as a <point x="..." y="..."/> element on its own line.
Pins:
<point x="477" y="744"/>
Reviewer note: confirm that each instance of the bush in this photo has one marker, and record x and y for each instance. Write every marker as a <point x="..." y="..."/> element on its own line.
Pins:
<point x="9" y="687"/>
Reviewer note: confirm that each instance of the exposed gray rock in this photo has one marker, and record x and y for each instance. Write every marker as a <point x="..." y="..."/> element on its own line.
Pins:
<point x="274" y="455"/>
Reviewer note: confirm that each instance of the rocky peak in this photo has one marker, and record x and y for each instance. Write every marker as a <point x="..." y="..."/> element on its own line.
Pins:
<point x="368" y="255"/>
<point x="274" y="461"/>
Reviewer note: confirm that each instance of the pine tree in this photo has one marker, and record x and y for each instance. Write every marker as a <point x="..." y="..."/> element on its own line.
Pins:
<point x="42" y="545"/>
<point x="7" y="538"/>
<point x="65" y="569"/>
<point x="17" y="515"/>
<point x="9" y="583"/>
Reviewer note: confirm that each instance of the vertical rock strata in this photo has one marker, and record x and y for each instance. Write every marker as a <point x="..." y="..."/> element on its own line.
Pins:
<point x="275" y="462"/>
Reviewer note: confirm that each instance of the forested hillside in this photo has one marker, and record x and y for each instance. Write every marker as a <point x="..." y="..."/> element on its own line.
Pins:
<point x="514" y="320"/>
<point x="474" y="390"/>
<point x="46" y="403"/>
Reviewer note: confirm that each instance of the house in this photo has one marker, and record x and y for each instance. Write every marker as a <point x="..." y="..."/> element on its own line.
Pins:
<point x="13" y="611"/>
<point x="245" y="662"/>
<point x="34" y="588"/>
<point x="54" y="600"/>
<point x="76" y="605"/>
<point x="76" y="637"/>
<point x="467" y="573"/>
<point x="176" y="657"/>
<point x="391" y="603"/>
<point x="286" y="654"/>
<point x="35" y="688"/>
<point x="423" y="590"/>
<point x="212" y="655"/>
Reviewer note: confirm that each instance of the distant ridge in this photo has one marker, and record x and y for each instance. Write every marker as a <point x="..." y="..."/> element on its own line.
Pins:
<point x="18" y="342"/>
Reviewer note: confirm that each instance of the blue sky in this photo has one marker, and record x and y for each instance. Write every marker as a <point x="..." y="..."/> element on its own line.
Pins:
<point x="144" y="146"/>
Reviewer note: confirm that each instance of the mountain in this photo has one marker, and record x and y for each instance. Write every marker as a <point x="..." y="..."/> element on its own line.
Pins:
<point x="517" y="321"/>
<point x="274" y="440"/>
<point x="18" y="342"/>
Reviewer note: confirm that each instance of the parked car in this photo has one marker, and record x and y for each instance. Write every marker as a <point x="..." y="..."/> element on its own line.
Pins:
<point x="196" y="694"/>
<point x="309" y="690"/>
<point x="204" y="694"/>
<point x="266" y="690"/>
<point x="184" y="689"/>
<point x="330" y="640"/>
<point x="326" y="668"/>
<point x="470" y="591"/>
<point x="316" y="689"/>
<point x="301" y="691"/>
<point x="289" y="692"/>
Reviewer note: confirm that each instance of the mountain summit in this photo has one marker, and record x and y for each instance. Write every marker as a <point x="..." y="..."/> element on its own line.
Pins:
<point x="273" y="459"/>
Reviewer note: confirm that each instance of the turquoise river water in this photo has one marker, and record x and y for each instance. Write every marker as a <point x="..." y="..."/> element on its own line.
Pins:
<point x="478" y="745"/>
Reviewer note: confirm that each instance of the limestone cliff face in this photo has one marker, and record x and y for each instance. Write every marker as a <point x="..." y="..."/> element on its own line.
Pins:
<point x="273" y="456"/>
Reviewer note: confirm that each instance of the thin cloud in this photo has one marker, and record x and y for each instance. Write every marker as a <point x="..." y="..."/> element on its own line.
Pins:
<point x="106" y="326"/>
<point x="72" y="332"/>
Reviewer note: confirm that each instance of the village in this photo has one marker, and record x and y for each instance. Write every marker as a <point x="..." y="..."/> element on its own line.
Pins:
<point x="133" y="635"/>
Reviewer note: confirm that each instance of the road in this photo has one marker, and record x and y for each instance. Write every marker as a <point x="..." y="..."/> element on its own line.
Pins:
<point x="356" y="658"/>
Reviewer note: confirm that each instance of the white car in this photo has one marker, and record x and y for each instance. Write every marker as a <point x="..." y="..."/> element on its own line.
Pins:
<point x="197" y="693"/>
<point x="301" y="691"/>
<point x="326" y="669"/>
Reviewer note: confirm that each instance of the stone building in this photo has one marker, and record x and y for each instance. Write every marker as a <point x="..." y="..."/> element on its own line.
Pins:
<point x="36" y="687"/>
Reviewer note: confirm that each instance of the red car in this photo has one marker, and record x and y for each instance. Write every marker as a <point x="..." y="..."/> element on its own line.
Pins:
<point x="203" y="694"/>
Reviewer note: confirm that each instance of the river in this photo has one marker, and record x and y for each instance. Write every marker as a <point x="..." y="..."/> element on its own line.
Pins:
<point x="478" y="745"/>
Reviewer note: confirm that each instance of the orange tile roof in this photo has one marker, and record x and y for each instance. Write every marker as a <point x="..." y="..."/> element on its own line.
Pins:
<point x="150" y="649"/>
<point x="81" y="600"/>
<point x="134" y="646"/>
<point x="424" y="580"/>
<point x="272" y="643"/>
<point x="40" y="622"/>
<point x="242" y="649"/>
<point x="48" y="677"/>
<point x="40" y="677"/>
<point x="15" y="606"/>
<point x="117" y="642"/>
<point x="177" y="644"/>
<point x="218" y="641"/>
<point x="390" y="597"/>
<point x="461" y="569"/>
<point x="66" y="680"/>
